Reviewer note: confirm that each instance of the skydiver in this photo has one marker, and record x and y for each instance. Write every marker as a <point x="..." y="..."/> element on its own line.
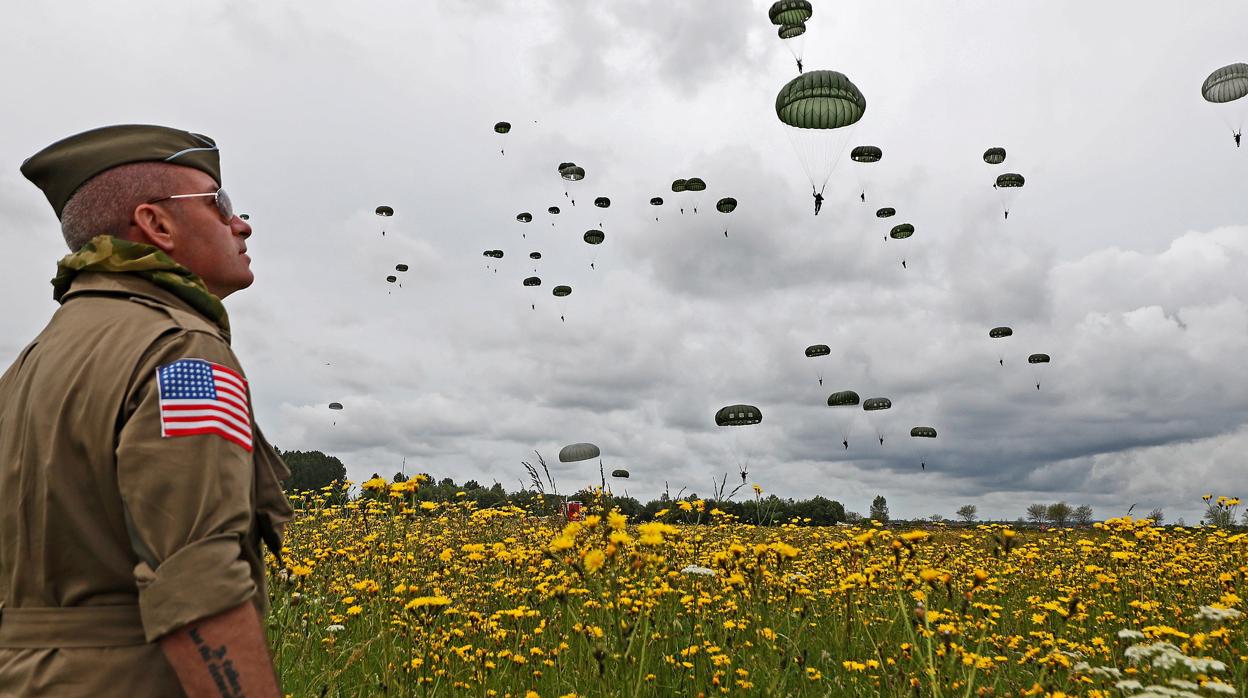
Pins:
<point x="903" y="264"/>
<point x="695" y="209"/>
<point x="725" y="232"/>
<point x="533" y="306"/>
<point x="818" y="200"/>
<point x="821" y="380"/>
<point x="1001" y="361"/>
<point x="846" y="442"/>
<point x="1238" y="135"/>
<point x="863" y="196"/>
<point x="881" y="440"/>
<point x="561" y="319"/>
<point x="1007" y="214"/>
<point x="799" y="66"/>
<point x="573" y="202"/>
<point x="682" y="211"/>
<point x="1037" y="386"/>
<point x="591" y="265"/>
<point x="923" y="466"/>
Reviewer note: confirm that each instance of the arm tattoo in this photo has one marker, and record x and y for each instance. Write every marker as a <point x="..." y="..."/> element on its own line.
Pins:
<point x="224" y="674"/>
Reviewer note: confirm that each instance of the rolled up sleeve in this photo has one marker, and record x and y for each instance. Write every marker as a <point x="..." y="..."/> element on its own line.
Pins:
<point x="188" y="501"/>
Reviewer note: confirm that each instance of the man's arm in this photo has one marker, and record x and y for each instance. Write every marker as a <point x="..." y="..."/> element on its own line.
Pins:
<point x="223" y="656"/>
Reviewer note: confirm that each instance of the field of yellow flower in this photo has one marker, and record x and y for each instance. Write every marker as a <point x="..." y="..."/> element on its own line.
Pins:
<point x="404" y="598"/>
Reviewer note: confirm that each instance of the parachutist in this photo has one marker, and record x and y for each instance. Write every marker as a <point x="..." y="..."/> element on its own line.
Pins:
<point x="695" y="209"/>
<point x="725" y="233"/>
<point x="881" y="440"/>
<point x="863" y="196"/>
<point x="923" y="466"/>
<point x="799" y="66"/>
<point x="1001" y="361"/>
<point x="591" y="265"/>
<point x="562" y="319"/>
<point x="818" y="200"/>
<point x="820" y="381"/>
<point x="903" y="264"/>
<point x="1238" y="135"/>
<point x="1007" y="215"/>
<point x="846" y="443"/>
<point x="533" y="306"/>
<point x="682" y="211"/>
<point x="1037" y="386"/>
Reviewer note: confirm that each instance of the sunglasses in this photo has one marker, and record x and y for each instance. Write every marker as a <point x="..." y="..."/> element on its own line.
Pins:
<point x="219" y="198"/>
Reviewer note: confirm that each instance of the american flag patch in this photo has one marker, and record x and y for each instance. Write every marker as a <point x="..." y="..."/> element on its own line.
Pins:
<point x="200" y="397"/>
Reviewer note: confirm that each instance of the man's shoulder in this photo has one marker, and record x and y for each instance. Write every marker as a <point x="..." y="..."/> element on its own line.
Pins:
<point x="113" y="301"/>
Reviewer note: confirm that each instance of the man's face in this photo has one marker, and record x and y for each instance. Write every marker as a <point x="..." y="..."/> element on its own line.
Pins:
<point x="210" y="248"/>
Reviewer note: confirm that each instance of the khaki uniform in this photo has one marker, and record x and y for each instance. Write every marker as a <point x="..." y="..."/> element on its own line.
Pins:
<point x="112" y="536"/>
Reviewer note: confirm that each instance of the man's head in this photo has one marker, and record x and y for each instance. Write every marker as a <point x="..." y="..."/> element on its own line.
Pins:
<point x="117" y="181"/>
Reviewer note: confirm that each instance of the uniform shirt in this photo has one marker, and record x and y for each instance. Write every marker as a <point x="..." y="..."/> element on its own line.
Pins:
<point x="97" y="508"/>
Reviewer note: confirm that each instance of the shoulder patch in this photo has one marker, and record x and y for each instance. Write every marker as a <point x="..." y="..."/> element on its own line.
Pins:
<point x="201" y="397"/>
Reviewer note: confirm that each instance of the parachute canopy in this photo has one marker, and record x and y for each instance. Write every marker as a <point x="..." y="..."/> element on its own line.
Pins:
<point x="873" y="404"/>
<point x="335" y="405"/>
<point x="574" y="452"/>
<point x="656" y="201"/>
<point x="738" y="416"/>
<point x="1038" y="359"/>
<point x="726" y="205"/>
<point x="594" y="237"/>
<point x="994" y="156"/>
<point x="496" y="254"/>
<point x="791" y="31"/>
<point x="244" y="216"/>
<point x="565" y="165"/>
<point x="999" y="332"/>
<point x="843" y="398"/>
<point x="384" y="211"/>
<point x="1226" y="84"/>
<point x="620" y="473"/>
<point x="818" y="350"/>
<point x="502" y="127"/>
<point x="602" y="202"/>
<point x="901" y="232"/>
<point x="392" y="278"/>
<point x="400" y="267"/>
<point x="574" y="173"/>
<point x="535" y="255"/>
<point x="533" y="281"/>
<point x="866" y="153"/>
<point x="525" y="217"/>
<point x="886" y="212"/>
<point x="1010" y="180"/>
<point x="923" y="432"/>
<point x="553" y="210"/>
<point x="561" y="291"/>
<point x="820" y="99"/>
<point x="790" y="12"/>
<point x="695" y="184"/>
<point x="680" y="185"/>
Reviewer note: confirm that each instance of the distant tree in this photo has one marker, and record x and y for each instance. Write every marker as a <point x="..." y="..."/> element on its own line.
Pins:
<point x="1082" y="515"/>
<point x="1181" y="523"/>
<point x="472" y="485"/>
<point x="879" y="509"/>
<point x="936" y="518"/>
<point x="853" y="517"/>
<point x="1059" y="513"/>
<point x="1216" y="515"/>
<point x="820" y="510"/>
<point x="1037" y="513"/>
<point x="1157" y="515"/>
<point x="968" y="512"/>
<point x="311" y="470"/>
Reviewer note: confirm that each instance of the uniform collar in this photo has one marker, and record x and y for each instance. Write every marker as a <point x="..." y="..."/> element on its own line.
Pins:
<point x="129" y="286"/>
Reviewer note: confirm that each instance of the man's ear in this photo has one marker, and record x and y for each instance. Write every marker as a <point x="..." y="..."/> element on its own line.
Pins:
<point x="153" y="225"/>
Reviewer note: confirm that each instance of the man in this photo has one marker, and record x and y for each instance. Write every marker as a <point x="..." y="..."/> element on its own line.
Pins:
<point x="818" y="199"/>
<point x="135" y="488"/>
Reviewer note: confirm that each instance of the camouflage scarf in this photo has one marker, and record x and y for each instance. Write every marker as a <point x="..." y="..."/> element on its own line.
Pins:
<point x="109" y="254"/>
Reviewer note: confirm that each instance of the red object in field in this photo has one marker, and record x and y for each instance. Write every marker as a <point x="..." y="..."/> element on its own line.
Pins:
<point x="572" y="511"/>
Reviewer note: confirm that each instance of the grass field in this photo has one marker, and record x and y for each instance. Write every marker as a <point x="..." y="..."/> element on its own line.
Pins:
<point x="404" y="598"/>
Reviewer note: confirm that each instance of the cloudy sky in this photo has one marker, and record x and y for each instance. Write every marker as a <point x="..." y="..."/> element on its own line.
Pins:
<point x="1123" y="256"/>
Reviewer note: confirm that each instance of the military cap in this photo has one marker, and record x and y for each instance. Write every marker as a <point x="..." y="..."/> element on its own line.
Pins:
<point x="67" y="164"/>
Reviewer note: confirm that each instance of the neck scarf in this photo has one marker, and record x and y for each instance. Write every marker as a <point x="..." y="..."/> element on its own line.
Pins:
<point x="105" y="253"/>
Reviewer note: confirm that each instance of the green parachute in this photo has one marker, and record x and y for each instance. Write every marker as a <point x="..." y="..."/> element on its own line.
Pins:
<point x="553" y="210"/>
<point x="818" y="350"/>
<point x="873" y="408"/>
<point x="561" y="291"/>
<point x="1007" y="187"/>
<point x="866" y="153"/>
<point x="1037" y="361"/>
<point x="790" y="12"/>
<point x="400" y="267"/>
<point x="574" y="173"/>
<point x="502" y="127"/>
<point x="535" y="255"/>
<point x="335" y="405"/>
<point x="994" y="156"/>
<point x="594" y="237"/>
<point x="656" y="201"/>
<point x="901" y="232"/>
<point x="923" y="433"/>
<point x="818" y="106"/>
<point x="791" y="31"/>
<point x="1228" y="85"/>
<point x="533" y="281"/>
<point x="726" y="205"/>
<point x="622" y="474"/>
<point x="602" y="202"/>
<point x="844" y="418"/>
<point x="738" y="416"/>
<point x="679" y="185"/>
<point x="886" y="212"/>
<point x="999" y="332"/>
<point x="578" y="452"/>
<point x="843" y="398"/>
<point x="384" y="211"/>
<point x="524" y="217"/>
<point x="392" y="278"/>
<point x="695" y="184"/>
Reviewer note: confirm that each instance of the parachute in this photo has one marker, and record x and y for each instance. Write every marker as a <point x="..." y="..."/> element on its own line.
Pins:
<point x="565" y="165"/>
<point x="818" y="106"/>
<point x="502" y="127"/>
<point x="400" y="267"/>
<point x="886" y="212"/>
<point x="695" y="184"/>
<point x="866" y="153"/>
<point x="1229" y="85"/>
<point x="384" y="211"/>
<point x="818" y="350"/>
<point x="680" y="185"/>
<point x="1000" y="333"/>
<point x="244" y="216"/>
<point x="594" y="237"/>
<point x="392" y="278"/>
<point x="874" y="407"/>
<point x="844" y="418"/>
<point x="1038" y="359"/>
<point x="533" y="281"/>
<point x="553" y="210"/>
<point x="577" y="452"/>
<point x="620" y="474"/>
<point x="738" y="416"/>
<point x="726" y="205"/>
<point x="656" y="201"/>
<point x="525" y="217"/>
<point x="923" y="433"/>
<point x="791" y="31"/>
<point x="335" y="405"/>
<point x="574" y="173"/>
<point x="602" y="202"/>
<point x="901" y="232"/>
<point x="843" y="398"/>
<point x="496" y="254"/>
<point x="994" y="156"/>
<point x="790" y="12"/>
<point x="1007" y="186"/>
<point x="561" y="291"/>
<point x="535" y="255"/>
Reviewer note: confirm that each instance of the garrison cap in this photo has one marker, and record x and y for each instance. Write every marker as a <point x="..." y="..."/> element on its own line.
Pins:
<point x="67" y="164"/>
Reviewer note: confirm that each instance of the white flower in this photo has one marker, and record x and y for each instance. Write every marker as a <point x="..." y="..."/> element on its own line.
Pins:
<point x="1219" y="687"/>
<point x="1202" y="665"/>
<point x="1129" y="685"/>
<point x="694" y="569"/>
<point x="1128" y="634"/>
<point x="335" y="628"/>
<point x="1218" y="615"/>
<point x="1184" y="684"/>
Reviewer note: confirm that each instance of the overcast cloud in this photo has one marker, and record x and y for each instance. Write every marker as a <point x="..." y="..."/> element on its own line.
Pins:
<point x="1123" y="256"/>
